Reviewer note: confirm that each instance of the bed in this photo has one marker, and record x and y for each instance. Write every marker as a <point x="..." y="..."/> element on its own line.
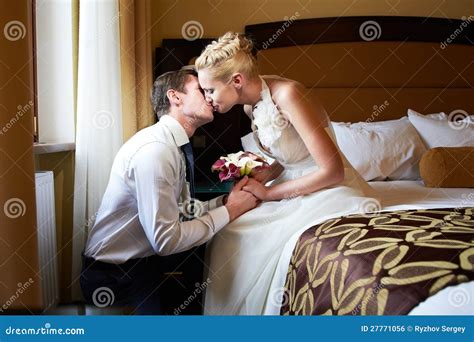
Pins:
<point x="400" y="198"/>
<point x="372" y="70"/>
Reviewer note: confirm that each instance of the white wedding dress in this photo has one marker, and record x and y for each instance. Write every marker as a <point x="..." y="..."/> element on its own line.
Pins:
<point x="243" y="256"/>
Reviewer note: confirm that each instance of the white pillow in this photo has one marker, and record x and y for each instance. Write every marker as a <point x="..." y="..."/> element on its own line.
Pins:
<point x="442" y="115"/>
<point x="441" y="132"/>
<point x="437" y="116"/>
<point x="249" y="145"/>
<point x="381" y="150"/>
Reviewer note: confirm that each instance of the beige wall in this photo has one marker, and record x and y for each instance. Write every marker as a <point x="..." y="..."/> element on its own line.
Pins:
<point x="219" y="16"/>
<point x="19" y="268"/>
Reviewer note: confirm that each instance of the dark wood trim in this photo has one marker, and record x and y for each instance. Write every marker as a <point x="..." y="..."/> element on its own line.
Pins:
<point x="346" y="29"/>
<point x="176" y="53"/>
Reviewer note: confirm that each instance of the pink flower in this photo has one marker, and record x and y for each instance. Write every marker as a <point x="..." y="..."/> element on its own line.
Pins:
<point x="230" y="172"/>
<point x="218" y="165"/>
<point x="236" y="165"/>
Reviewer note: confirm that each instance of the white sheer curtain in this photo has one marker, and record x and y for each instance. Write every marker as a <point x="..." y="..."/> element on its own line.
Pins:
<point x="99" y="116"/>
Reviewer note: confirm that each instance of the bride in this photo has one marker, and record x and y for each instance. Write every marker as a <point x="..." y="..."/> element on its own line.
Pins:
<point x="310" y="179"/>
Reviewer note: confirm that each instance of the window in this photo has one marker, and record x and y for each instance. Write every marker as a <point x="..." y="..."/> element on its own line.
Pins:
<point x="54" y="71"/>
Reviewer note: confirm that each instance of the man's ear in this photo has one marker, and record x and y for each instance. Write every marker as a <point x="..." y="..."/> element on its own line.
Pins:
<point x="173" y="96"/>
<point x="237" y="80"/>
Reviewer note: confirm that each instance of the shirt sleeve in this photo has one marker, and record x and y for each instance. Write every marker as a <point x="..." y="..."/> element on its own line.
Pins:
<point x="156" y="171"/>
<point x="216" y="202"/>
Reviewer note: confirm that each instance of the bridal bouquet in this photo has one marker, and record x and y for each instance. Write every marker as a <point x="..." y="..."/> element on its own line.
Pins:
<point x="237" y="165"/>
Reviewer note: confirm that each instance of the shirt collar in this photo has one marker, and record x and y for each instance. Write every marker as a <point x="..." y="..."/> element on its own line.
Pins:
<point x="177" y="131"/>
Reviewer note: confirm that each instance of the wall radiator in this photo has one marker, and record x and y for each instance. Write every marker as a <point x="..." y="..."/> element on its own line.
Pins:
<point x="46" y="231"/>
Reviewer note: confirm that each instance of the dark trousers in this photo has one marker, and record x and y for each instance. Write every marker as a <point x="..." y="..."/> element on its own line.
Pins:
<point x="132" y="285"/>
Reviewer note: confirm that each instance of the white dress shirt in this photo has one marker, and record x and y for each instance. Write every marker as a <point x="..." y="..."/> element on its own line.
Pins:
<point x="140" y="212"/>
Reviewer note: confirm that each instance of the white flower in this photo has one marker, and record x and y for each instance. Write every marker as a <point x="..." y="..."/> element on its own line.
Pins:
<point x="232" y="158"/>
<point x="248" y="163"/>
<point x="264" y="117"/>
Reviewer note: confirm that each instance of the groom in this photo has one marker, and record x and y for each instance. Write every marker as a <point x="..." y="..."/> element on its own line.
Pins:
<point x="139" y="217"/>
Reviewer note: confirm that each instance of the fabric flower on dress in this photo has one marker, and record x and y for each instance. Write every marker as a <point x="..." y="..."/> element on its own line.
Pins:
<point x="268" y="118"/>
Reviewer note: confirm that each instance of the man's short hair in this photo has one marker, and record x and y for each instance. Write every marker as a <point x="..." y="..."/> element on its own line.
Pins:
<point x="169" y="80"/>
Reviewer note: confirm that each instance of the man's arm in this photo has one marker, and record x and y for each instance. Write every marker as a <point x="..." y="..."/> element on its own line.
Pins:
<point x="157" y="185"/>
<point x="215" y="202"/>
<point x="237" y="201"/>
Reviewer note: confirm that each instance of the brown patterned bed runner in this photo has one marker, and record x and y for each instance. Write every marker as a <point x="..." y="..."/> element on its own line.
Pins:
<point x="384" y="264"/>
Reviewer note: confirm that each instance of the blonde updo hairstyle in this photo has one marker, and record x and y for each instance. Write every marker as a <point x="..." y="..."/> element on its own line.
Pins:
<point x="230" y="54"/>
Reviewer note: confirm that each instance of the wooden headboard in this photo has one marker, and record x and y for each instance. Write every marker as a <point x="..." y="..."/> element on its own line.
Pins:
<point x="374" y="68"/>
<point x="360" y="68"/>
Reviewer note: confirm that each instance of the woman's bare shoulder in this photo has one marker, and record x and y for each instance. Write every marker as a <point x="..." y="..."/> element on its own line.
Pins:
<point x="284" y="89"/>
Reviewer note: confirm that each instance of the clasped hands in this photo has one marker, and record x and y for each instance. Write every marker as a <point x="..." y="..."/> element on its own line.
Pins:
<point x="247" y="193"/>
<point x="256" y="184"/>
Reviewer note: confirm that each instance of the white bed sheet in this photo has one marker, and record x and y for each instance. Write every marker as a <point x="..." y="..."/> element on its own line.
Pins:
<point x="400" y="195"/>
<point x="396" y="195"/>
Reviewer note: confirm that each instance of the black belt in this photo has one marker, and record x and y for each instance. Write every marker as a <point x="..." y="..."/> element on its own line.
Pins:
<point x="89" y="262"/>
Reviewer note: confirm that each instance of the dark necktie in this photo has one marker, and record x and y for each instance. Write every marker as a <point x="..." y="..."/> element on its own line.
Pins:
<point x="188" y="152"/>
